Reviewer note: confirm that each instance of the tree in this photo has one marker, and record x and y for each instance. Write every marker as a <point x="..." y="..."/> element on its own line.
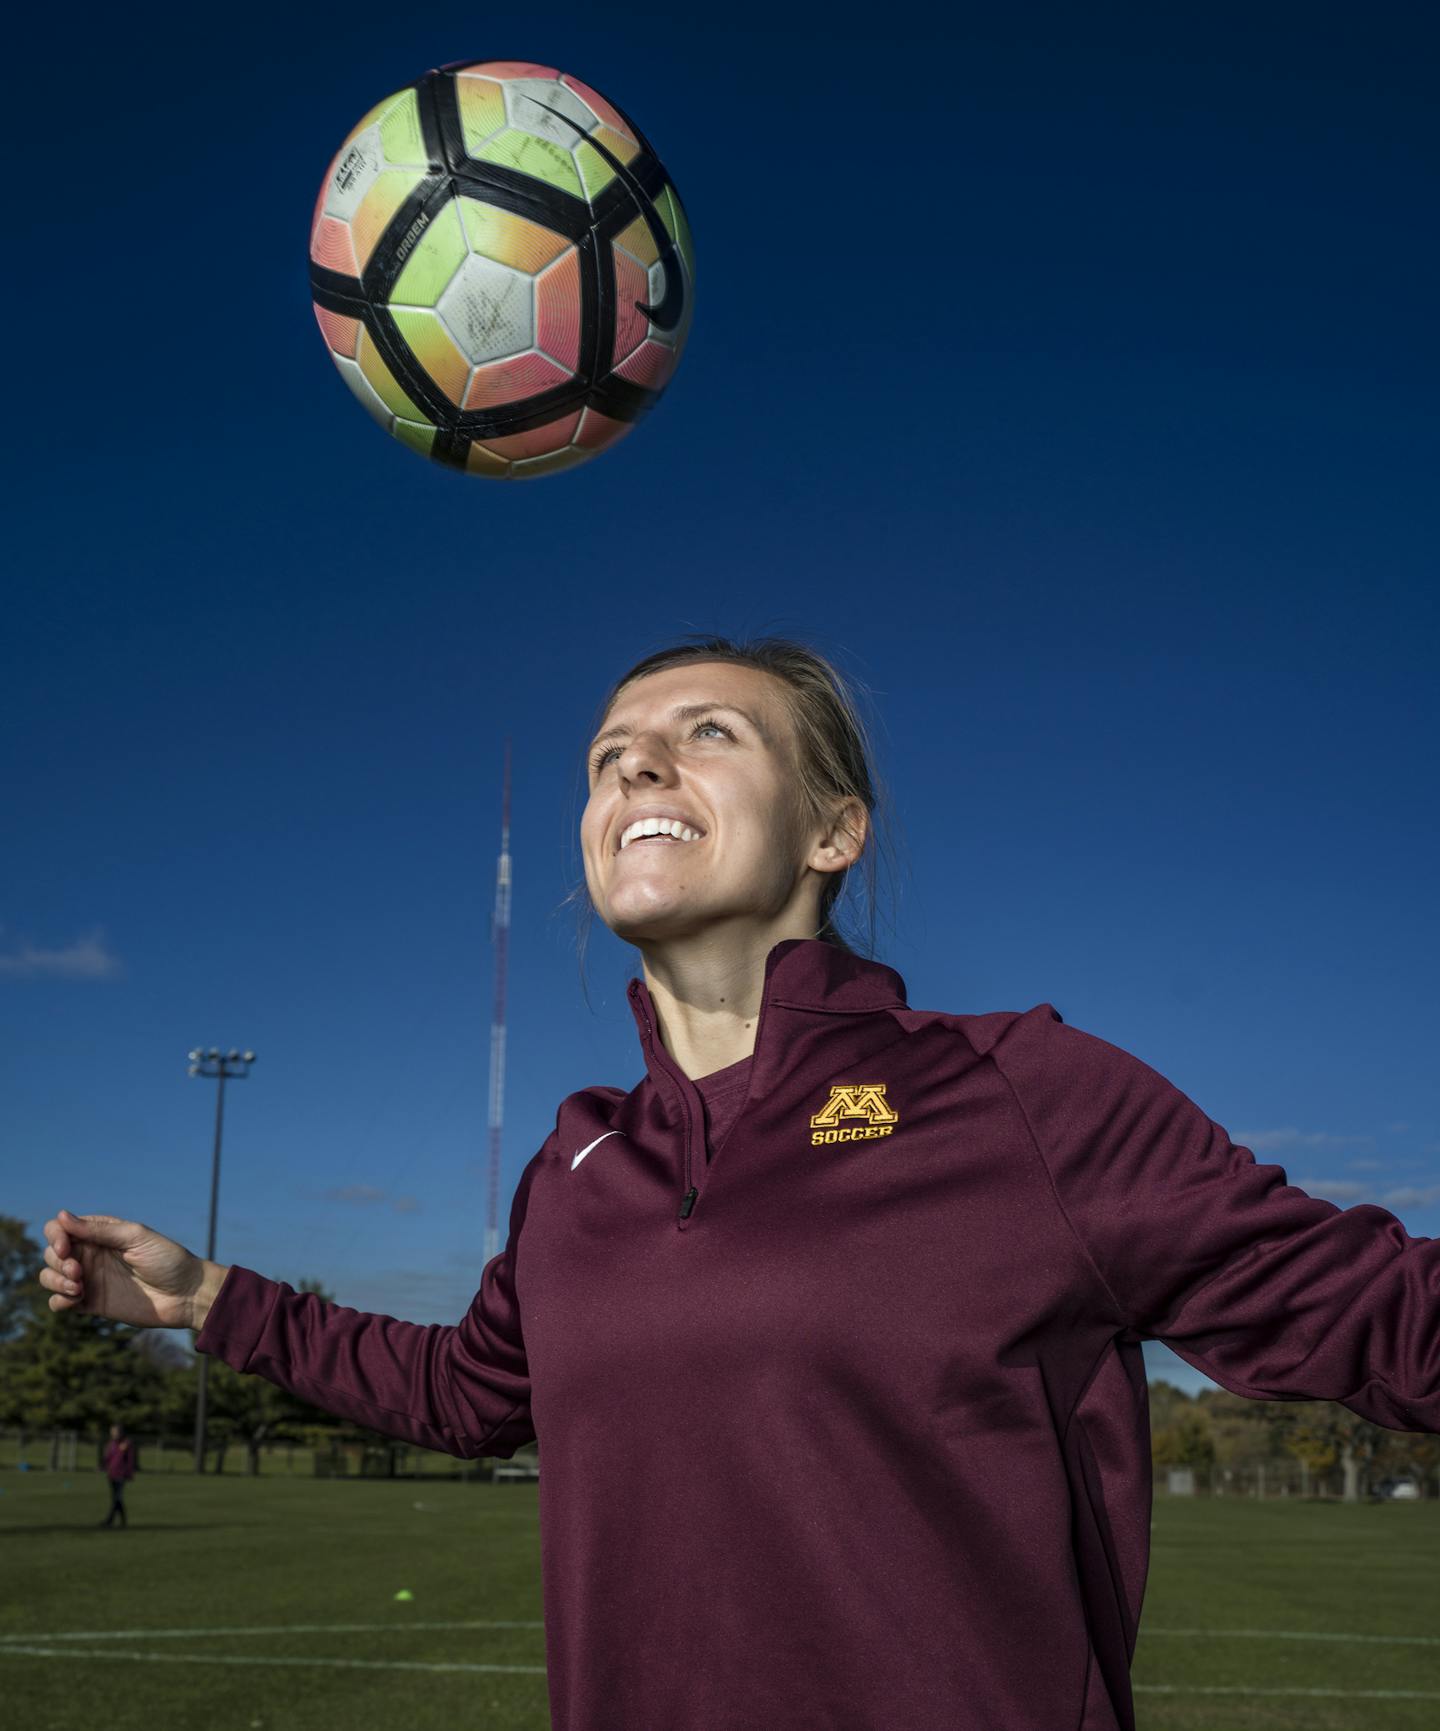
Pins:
<point x="64" y="1370"/>
<point x="1185" y="1443"/>
<point x="1167" y="1404"/>
<point x="1410" y="1454"/>
<point x="21" y="1294"/>
<point x="1244" y="1441"/>
<point x="1418" y="1452"/>
<point x="1323" y="1435"/>
<point x="160" y="1347"/>
<point x="244" y="1406"/>
<point x="68" y="1371"/>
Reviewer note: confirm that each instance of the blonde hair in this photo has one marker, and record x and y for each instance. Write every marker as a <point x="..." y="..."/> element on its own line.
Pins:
<point x="834" y="758"/>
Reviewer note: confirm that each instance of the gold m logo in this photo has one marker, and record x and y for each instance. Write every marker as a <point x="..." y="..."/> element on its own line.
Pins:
<point x="855" y="1100"/>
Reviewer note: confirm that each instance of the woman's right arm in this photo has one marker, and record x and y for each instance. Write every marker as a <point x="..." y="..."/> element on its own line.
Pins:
<point x="464" y="1390"/>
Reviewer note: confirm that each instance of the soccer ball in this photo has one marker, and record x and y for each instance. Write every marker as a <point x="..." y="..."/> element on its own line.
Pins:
<point x="501" y="268"/>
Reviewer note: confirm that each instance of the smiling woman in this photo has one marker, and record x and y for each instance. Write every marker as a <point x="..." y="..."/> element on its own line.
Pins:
<point x="756" y="755"/>
<point x="831" y="1326"/>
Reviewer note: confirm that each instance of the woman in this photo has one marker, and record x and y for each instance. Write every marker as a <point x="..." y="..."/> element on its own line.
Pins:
<point x="119" y="1470"/>
<point x="831" y="1326"/>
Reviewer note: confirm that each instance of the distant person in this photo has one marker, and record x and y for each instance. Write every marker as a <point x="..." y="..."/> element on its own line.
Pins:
<point x="119" y="1469"/>
<point x="831" y="1326"/>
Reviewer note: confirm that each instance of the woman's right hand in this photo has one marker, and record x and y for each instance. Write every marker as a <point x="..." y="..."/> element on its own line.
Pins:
<point x="102" y="1266"/>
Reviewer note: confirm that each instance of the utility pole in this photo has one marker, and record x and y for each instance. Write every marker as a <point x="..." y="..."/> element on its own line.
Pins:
<point x="500" y="934"/>
<point x="220" y="1067"/>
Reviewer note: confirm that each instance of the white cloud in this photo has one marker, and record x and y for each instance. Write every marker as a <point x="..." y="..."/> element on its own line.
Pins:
<point x="1335" y="1189"/>
<point x="353" y="1193"/>
<point x="1411" y="1196"/>
<point x="368" y="1193"/>
<point x="87" y="958"/>
<point x="1346" y="1190"/>
<point x="1256" y="1140"/>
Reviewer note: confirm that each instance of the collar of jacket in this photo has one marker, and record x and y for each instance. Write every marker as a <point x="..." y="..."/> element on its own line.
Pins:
<point x="804" y="974"/>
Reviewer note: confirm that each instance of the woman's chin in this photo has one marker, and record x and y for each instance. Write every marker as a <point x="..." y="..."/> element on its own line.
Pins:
<point x="653" y="919"/>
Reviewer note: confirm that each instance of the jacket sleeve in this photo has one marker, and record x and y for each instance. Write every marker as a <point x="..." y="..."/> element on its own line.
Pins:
<point x="464" y="1390"/>
<point x="1269" y="1291"/>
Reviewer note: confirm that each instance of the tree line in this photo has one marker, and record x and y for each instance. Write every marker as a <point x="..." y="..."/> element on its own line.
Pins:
<point x="1256" y="1446"/>
<point x="62" y="1371"/>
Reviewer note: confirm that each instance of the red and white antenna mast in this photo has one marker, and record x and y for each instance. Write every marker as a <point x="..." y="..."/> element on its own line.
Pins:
<point x="500" y="936"/>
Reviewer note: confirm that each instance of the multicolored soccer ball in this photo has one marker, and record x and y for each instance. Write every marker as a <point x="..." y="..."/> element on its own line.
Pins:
<point x="501" y="268"/>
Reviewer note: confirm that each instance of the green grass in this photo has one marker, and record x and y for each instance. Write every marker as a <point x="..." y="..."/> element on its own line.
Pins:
<point x="178" y="1456"/>
<point x="1370" y="1569"/>
<point x="288" y="1555"/>
<point x="274" y="1553"/>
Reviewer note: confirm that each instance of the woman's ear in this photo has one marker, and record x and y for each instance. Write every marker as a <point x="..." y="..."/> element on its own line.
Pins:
<point x="844" y="841"/>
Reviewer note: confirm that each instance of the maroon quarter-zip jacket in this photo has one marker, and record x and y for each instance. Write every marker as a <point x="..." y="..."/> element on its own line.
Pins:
<point x="845" y="1429"/>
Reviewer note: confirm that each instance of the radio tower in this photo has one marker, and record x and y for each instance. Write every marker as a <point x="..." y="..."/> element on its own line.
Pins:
<point x="500" y="936"/>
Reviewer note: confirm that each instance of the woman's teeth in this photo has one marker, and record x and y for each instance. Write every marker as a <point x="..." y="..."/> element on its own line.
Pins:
<point x="646" y="826"/>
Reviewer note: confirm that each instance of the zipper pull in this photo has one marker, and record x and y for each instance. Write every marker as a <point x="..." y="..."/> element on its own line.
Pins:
<point x="687" y="1206"/>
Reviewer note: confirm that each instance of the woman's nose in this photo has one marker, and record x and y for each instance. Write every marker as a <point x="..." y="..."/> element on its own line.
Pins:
<point x="646" y="759"/>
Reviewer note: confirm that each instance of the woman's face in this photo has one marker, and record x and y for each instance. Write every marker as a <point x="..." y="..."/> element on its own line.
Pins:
<point x="709" y="746"/>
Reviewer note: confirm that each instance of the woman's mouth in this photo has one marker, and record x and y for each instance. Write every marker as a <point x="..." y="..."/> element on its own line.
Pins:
<point x="666" y="829"/>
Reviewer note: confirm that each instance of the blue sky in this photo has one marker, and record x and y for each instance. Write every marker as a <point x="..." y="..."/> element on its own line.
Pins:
<point x="1069" y="376"/>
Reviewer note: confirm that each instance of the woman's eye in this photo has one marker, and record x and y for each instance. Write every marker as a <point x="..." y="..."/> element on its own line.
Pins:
<point x="602" y="757"/>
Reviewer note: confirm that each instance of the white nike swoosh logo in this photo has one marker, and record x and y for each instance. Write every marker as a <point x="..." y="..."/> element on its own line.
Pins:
<point x="595" y="1144"/>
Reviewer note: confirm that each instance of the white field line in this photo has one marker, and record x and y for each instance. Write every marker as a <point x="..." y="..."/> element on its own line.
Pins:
<point x="31" y="1646"/>
<point x="112" y="1653"/>
<point x="1293" y="1635"/>
<point x="1328" y="1694"/>
<point x="539" y="1671"/>
<point x="499" y="1623"/>
<point x="255" y="1629"/>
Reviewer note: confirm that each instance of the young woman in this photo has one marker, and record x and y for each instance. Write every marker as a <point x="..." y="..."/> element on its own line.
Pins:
<point x="119" y="1470"/>
<point x="831" y="1326"/>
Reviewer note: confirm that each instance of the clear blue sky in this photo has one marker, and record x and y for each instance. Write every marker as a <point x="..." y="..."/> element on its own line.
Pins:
<point x="1070" y="373"/>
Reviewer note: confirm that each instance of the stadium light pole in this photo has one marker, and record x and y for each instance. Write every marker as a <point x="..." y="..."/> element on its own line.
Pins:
<point x="220" y="1067"/>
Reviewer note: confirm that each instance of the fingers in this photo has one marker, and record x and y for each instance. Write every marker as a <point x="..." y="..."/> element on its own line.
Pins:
<point x="62" y="1275"/>
<point x="99" y="1229"/>
<point x="65" y="1265"/>
<point x="67" y="1292"/>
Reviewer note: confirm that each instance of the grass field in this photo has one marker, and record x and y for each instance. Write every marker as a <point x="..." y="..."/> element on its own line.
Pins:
<point x="269" y="1605"/>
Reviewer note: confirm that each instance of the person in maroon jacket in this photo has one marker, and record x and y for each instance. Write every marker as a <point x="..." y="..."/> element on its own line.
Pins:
<point x="119" y="1469"/>
<point x="831" y="1326"/>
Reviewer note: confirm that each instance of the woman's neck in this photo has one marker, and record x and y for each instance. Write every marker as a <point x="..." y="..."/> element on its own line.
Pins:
<point x="707" y="992"/>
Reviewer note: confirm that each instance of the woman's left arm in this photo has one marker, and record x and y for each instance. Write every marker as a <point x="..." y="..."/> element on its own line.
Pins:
<point x="1269" y="1291"/>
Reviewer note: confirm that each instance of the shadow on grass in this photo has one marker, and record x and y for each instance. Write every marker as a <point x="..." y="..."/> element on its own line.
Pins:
<point x="140" y="1527"/>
